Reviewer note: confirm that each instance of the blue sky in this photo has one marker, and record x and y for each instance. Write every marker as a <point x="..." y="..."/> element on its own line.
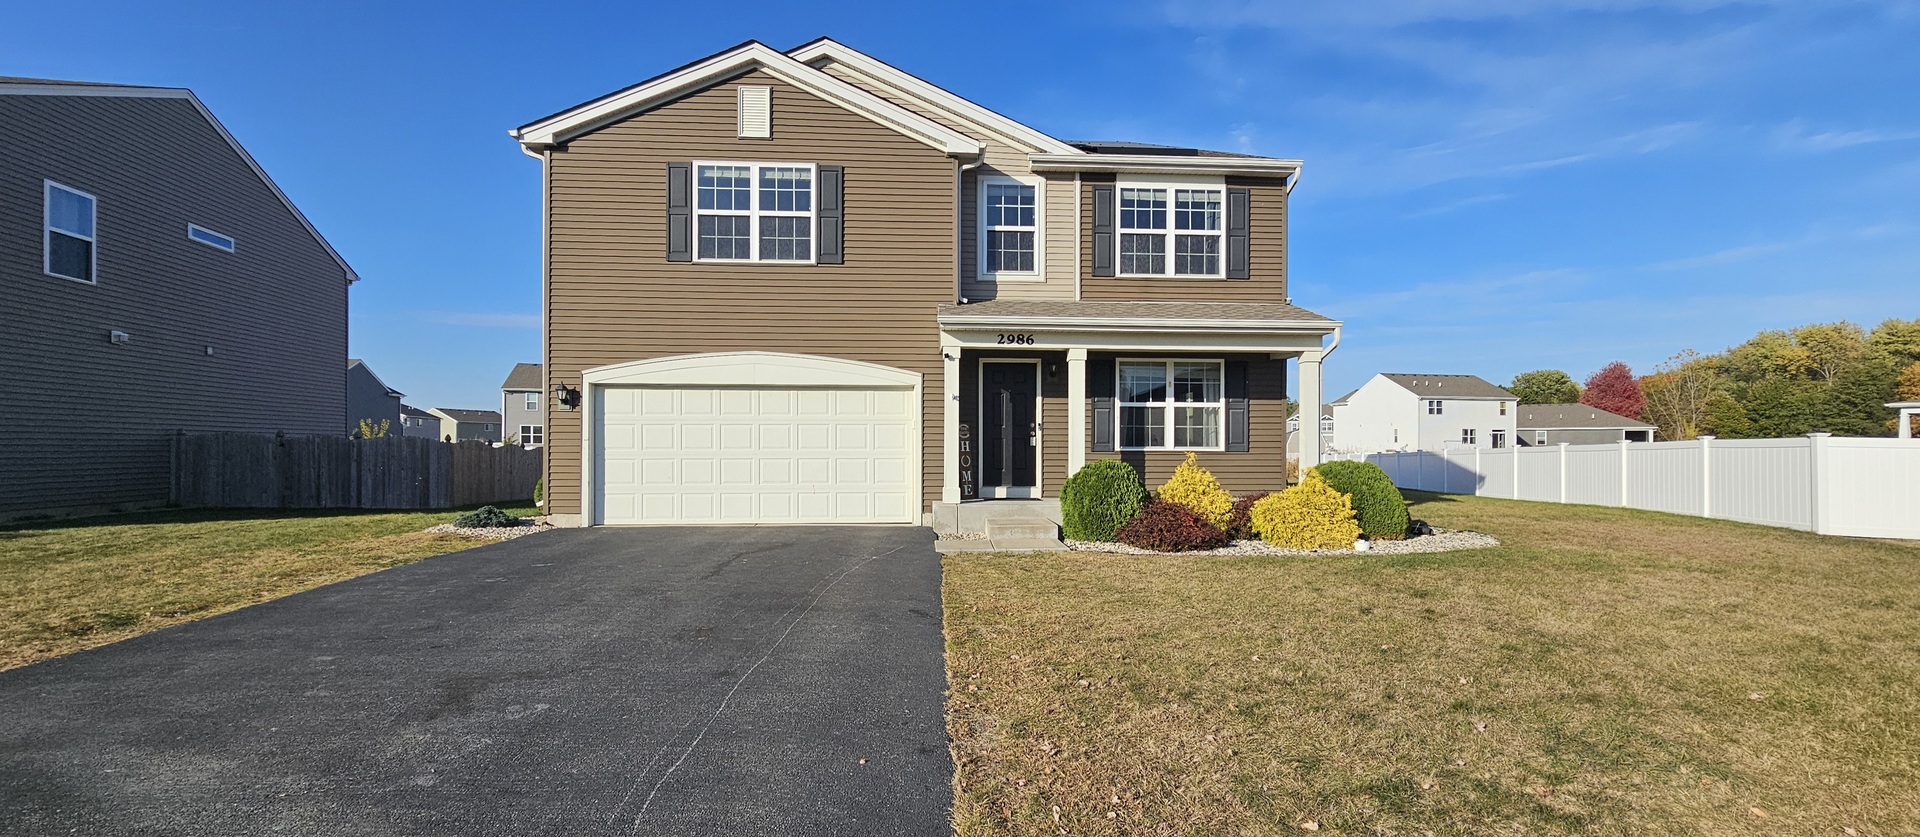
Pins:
<point x="1491" y="186"/>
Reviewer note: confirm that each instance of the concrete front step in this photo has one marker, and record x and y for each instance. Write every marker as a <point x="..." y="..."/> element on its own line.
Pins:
<point x="999" y="545"/>
<point x="1022" y="528"/>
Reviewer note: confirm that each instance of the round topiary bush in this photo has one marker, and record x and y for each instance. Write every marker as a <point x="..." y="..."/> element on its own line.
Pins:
<point x="1377" y="504"/>
<point x="1095" y="501"/>
<point x="486" y="517"/>
<point x="1311" y="515"/>
<point x="1170" y="527"/>
<point x="1197" y="489"/>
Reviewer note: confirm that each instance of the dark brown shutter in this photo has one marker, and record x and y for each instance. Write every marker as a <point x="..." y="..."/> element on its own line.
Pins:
<point x="828" y="251"/>
<point x="1239" y="202"/>
<point x="679" y="212"/>
<point x="1103" y="249"/>
<point x="1238" y="407"/>
<point x="1100" y="392"/>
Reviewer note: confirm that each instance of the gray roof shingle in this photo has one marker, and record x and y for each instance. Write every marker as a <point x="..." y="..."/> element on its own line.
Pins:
<point x="1447" y="386"/>
<point x="463" y="416"/>
<point x="524" y="377"/>
<point x="1572" y="417"/>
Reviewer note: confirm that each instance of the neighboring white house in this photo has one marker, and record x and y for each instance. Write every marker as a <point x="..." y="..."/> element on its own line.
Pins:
<point x="1394" y="411"/>
<point x="1326" y="432"/>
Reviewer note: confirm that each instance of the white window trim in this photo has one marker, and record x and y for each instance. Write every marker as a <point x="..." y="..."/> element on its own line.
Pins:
<point x="536" y="430"/>
<point x="754" y="213"/>
<point x="1167" y="414"/>
<point x="233" y="243"/>
<point x="1469" y="436"/>
<point x="1436" y="407"/>
<point x="47" y="231"/>
<point x="1038" y="273"/>
<point x="1171" y="185"/>
<point x="533" y="400"/>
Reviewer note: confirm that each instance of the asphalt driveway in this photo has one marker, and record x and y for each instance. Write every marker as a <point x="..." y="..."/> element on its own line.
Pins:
<point x="610" y="681"/>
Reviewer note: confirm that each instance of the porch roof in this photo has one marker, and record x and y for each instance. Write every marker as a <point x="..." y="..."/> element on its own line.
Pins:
<point x="1278" y="316"/>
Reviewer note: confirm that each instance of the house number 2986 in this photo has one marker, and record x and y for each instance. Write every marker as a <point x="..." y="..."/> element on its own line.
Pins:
<point x="1016" y="340"/>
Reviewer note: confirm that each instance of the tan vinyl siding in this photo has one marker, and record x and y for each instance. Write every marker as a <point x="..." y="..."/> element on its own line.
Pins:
<point x="1267" y="255"/>
<point x="1063" y="236"/>
<point x="612" y="297"/>
<point x="90" y="422"/>
<point x="1263" y="467"/>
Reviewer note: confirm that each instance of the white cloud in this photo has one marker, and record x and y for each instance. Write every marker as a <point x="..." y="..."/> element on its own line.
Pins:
<point x="1796" y="137"/>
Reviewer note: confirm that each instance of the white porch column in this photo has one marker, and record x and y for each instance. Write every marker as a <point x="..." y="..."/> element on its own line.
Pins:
<point x="950" y="421"/>
<point x="1309" y="409"/>
<point x="1076" y="410"/>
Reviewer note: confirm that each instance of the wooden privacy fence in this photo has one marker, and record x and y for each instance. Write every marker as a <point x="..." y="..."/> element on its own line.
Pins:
<point x="276" y="471"/>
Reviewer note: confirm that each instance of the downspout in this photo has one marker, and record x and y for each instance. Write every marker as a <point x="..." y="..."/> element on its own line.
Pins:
<point x="959" y="240"/>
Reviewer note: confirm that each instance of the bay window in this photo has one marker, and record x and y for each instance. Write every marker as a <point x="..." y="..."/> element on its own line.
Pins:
<point x="1171" y="404"/>
<point x="754" y="212"/>
<point x="1171" y="230"/>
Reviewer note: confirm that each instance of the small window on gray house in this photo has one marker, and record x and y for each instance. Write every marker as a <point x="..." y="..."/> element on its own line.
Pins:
<point x="1539" y="437"/>
<point x="532" y="434"/>
<point x="69" y="234"/>
<point x="210" y="238"/>
<point x="533" y="401"/>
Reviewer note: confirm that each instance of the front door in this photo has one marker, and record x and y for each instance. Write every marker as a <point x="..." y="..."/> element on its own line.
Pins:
<point x="1009" y="427"/>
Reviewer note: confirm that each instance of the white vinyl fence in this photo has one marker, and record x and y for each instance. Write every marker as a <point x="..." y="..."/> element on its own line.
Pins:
<point x="1819" y="483"/>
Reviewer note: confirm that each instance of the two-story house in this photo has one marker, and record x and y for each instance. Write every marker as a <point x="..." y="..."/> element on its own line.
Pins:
<point x="806" y="286"/>
<point x="1396" y="411"/>
<point x="522" y="409"/>
<point x="418" y="423"/>
<point x="157" y="281"/>
<point x="371" y="399"/>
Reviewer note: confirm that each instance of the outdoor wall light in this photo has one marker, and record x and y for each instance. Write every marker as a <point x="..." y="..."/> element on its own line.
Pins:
<point x="565" y="396"/>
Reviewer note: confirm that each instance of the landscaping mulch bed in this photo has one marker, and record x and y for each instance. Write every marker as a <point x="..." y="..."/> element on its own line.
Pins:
<point x="1442" y="540"/>
<point x="528" y="526"/>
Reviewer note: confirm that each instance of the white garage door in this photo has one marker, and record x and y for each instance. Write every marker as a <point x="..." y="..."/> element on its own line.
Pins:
<point x="754" y="455"/>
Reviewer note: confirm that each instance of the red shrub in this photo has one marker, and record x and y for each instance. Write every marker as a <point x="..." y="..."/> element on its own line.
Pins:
<point x="1170" y="527"/>
<point x="1240" y="521"/>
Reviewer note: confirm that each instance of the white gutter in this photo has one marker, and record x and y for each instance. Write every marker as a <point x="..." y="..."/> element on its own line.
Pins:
<point x="1164" y="164"/>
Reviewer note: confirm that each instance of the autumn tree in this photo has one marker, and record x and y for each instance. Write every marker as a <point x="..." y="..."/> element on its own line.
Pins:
<point x="1683" y="396"/>
<point x="1544" y="386"/>
<point x="1616" y="390"/>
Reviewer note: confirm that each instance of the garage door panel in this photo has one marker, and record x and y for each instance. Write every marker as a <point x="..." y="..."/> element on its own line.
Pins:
<point x="745" y="455"/>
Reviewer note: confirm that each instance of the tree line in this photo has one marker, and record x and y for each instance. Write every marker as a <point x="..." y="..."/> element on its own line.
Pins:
<point x="1832" y="377"/>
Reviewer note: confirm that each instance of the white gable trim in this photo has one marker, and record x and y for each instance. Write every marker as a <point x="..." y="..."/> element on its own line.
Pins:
<point x="829" y="51"/>
<point x="183" y="93"/>
<point x="751" y="56"/>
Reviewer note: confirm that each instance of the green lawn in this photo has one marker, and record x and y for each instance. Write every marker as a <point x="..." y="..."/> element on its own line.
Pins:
<point x="1603" y="671"/>
<point x="69" y="585"/>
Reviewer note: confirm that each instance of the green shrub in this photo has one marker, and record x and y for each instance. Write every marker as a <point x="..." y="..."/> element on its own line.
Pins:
<point x="1195" y="488"/>
<point x="486" y="517"/>
<point x="1311" y="515"/>
<point x="539" y="490"/>
<point x="1377" y="504"/>
<point x="1098" y="499"/>
<point x="1170" y="527"/>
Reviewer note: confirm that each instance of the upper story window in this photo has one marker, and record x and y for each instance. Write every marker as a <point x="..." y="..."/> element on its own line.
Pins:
<point x="754" y="212"/>
<point x="1503" y="408"/>
<point x="1171" y="230"/>
<point x="1467" y="436"/>
<point x="533" y="401"/>
<point x="210" y="238"/>
<point x="1434" y="408"/>
<point x="68" y="241"/>
<point x="1009" y="227"/>
<point x="1171" y="405"/>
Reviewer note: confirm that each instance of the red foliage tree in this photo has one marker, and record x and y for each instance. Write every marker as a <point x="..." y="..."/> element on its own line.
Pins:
<point x="1616" y="390"/>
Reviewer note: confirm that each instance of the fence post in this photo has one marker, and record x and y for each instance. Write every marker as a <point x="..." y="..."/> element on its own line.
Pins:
<point x="1563" y="471"/>
<point x="1623" y="476"/>
<point x="1516" y="473"/>
<point x="1816" y="467"/>
<point x="1476" y="470"/>
<point x="1706" y="476"/>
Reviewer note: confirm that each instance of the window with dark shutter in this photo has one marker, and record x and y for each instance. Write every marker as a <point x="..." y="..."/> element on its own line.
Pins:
<point x="679" y="212"/>
<point x="1103" y="249"/>
<point x="1239" y="206"/>
<point x="832" y="180"/>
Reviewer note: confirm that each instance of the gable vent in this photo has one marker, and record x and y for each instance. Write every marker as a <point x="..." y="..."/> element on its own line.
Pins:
<point x="756" y="112"/>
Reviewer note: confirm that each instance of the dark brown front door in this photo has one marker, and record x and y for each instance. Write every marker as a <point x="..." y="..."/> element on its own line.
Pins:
<point x="1008" y="424"/>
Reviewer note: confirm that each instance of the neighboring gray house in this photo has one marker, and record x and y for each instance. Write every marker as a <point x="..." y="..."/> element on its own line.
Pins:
<point x="522" y="402"/>
<point x="1577" y="424"/>
<point x="467" y="425"/>
<point x="370" y="398"/>
<point x="418" y="423"/>
<point x="157" y="281"/>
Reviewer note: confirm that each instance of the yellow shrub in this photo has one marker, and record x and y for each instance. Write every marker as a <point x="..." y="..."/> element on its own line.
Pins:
<point x="1311" y="515"/>
<point x="1194" y="487"/>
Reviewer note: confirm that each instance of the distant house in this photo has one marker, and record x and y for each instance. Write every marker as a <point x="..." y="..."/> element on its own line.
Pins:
<point x="458" y="425"/>
<point x="1395" y="411"/>
<point x="1578" y="424"/>
<point x="157" y="281"/>
<point x="521" y="399"/>
<point x="370" y="398"/>
<point x="418" y="423"/>
<point x="1326" y="431"/>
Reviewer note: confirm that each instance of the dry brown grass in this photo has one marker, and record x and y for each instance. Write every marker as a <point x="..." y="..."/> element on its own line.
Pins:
<point x="1605" y="671"/>
<point x="79" y="584"/>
